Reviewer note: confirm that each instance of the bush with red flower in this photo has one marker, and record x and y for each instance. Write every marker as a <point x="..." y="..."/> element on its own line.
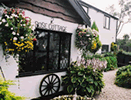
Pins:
<point x="87" y="40"/>
<point x="15" y="28"/>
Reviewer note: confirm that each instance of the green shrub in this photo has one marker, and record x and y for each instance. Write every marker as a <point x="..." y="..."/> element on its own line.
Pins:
<point x="5" y="94"/>
<point x="123" y="77"/>
<point x="85" y="79"/>
<point x="111" y="63"/>
<point x="108" y="54"/>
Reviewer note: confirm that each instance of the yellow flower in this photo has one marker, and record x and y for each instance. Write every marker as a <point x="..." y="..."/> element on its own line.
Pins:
<point x="14" y="41"/>
<point x="5" y="43"/>
<point x="93" y="45"/>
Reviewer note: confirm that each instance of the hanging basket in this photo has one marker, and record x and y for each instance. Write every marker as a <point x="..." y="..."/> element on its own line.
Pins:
<point x="16" y="37"/>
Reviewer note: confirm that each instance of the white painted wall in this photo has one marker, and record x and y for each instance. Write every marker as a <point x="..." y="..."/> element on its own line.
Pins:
<point x="106" y="36"/>
<point x="29" y="86"/>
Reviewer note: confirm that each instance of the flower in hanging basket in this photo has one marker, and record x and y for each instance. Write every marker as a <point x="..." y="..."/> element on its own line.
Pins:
<point x="87" y="39"/>
<point x="16" y="37"/>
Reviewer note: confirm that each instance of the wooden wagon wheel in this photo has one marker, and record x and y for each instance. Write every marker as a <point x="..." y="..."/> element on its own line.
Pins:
<point x="49" y="85"/>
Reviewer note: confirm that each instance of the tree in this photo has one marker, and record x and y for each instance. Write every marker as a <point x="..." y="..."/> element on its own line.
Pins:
<point x="123" y="14"/>
<point x="126" y="37"/>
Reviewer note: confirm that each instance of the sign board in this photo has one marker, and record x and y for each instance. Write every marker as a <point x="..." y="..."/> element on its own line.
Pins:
<point x="50" y="26"/>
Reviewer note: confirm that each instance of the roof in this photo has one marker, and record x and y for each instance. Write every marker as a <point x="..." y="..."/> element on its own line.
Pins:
<point x="77" y="6"/>
<point x="88" y="5"/>
<point x="68" y="10"/>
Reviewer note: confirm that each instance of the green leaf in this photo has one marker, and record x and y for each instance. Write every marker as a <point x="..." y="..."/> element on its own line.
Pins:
<point x="73" y="72"/>
<point x="88" y="89"/>
<point x="80" y="74"/>
<point x="73" y="79"/>
<point x="96" y="84"/>
<point x="70" y="89"/>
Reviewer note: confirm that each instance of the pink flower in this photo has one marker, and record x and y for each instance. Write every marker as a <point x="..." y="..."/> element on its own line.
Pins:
<point x="5" y="11"/>
<point x="27" y="19"/>
<point x="34" y="39"/>
<point x="18" y="10"/>
<point x="13" y="10"/>
<point x="23" y="12"/>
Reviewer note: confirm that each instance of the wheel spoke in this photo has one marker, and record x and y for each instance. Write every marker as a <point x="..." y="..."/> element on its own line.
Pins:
<point x="45" y="92"/>
<point x="51" y="91"/>
<point x="44" y="85"/>
<point x="51" y="78"/>
<point x="44" y="89"/>
<point x="55" y="86"/>
<point x="46" y="82"/>
<point x="55" y="82"/>
<point x="48" y="92"/>
<point x="54" y="89"/>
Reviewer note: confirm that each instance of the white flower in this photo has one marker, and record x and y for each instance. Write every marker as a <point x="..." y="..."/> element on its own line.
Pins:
<point x="7" y="25"/>
<point x="0" y="23"/>
<point x="15" y="38"/>
<point x="7" y="16"/>
<point x="12" y="14"/>
<point x="18" y="34"/>
<point x="11" y="28"/>
<point x="23" y="24"/>
<point x="89" y="38"/>
<point x="11" y="17"/>
<point x="33" y="27"/>
<point x="3" y="20"/>
<point x="87" y="35"/>
<point x="20" y="13"/>
<point x="26" y="35"/>
<point x="22" y="37"/>
<point x="13" y="33"/>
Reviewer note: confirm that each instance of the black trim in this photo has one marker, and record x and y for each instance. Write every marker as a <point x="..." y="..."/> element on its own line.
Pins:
<point x="77" y="6"/>
<point x="90" y="6"/>
<point x="40" y="72"/>
<point x="28" y="74"/>
<point x="47" y="30"/>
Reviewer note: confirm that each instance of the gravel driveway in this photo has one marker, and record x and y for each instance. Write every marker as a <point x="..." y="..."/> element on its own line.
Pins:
<point x="111" y="91"/>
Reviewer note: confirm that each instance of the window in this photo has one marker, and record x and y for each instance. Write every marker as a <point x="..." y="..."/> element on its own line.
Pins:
<point x="86" y="9"/>
<point x="105" y="48"/>
<point x="51" y="53"/>
<point x="106" y="22"/>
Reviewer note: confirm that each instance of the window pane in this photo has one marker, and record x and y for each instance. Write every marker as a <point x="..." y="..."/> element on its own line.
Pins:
<point x="41" y="51"/>
<point x="54" y="51"/>
<point x="105" y="48"/>
<point x="107" y="22"/>
<point x="64" y="58"/>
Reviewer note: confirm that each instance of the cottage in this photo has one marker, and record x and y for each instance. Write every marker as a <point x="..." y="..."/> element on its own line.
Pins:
<point x="55" y="23"/>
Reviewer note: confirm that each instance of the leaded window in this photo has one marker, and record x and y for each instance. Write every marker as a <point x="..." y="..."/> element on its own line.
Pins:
<point x="51" y="52"/>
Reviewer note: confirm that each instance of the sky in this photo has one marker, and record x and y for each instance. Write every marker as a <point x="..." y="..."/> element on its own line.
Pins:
<point x="103" y="4"/>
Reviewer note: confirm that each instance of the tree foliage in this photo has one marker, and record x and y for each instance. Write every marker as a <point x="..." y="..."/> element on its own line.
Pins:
<point x="123" y="14"/>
